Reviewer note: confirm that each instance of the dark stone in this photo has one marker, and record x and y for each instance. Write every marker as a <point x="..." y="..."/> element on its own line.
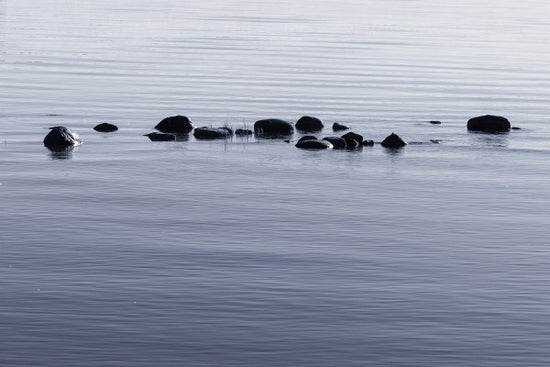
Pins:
<point x="339" y="127"/>
<point x="309" y="124"/>
<point x="393" y="141"/>
<point x="367" y="143"/>
<point x="489" y="123"/>
<point x="273" y="128"/>
<point x="175" y="124"/>
<point x="307" y="137"/>
<point x="353" y="136"/>
<point x="516" y="128"/>
<point x="161" y="137"/>
<point x="60" y="137"/>
<point x="209" y="133"/>
<point x="313" y="144"/>
<point x="243" y="132"/>
<point x="352" y="144"/>
<point x="337" y="142"/>
<point x="105" y="127"/>
<point x="434" y="122"/>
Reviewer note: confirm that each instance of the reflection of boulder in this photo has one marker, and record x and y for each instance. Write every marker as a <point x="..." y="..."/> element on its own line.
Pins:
<point x="393" y="141"/>
<point x="210" y="133"/>
<point x="311" y="142"/>
<point x="175" y="124"/>
<point x="489" y="123"/>
<point x="60" y="137"/>
<point x="161" y="137"/>
<point x="273" y="128"/>
<point x="105" y="127"/>
<point x="339" y="127"/>
<point x="309" y="124"/>
<point x="337" y="142"/>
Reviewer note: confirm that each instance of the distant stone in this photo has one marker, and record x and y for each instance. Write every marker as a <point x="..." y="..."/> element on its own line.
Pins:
<point x="273" y="128"/>
<point x="393" y="141"/>
<point x="435" y="141"/>
<point x="309" y="124"/>
<point x="337" y="142"/>
<point x="353" y="136"/>
<point x="209" y="133"/>
<point x="60" y="136"/>
<point x="313" y="144"/>
<point x="105" y="127"/>
<point x="435" y="122"/>
<point x="516" y="128"/>
<point x="161" y="137"/>
<point x="367" y="143"/>
<point x="175" y="124"/>
<point x="243" y="132"/>
<point x="339" y="127"/>
<point x="489" y="123"/>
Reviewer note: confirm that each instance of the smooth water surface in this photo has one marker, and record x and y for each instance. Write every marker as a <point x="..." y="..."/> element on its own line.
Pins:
<point x="250" y="252"/>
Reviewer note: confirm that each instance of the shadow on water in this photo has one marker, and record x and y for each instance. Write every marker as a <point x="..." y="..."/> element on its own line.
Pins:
<point x="61" y="152"/>
<point x="394" y="152"/>
<point x="490" y="139"/>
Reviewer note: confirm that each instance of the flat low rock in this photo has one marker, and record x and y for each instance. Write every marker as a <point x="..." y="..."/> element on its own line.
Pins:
<point x="105" y="127"/>
<point x="393" y="141"/>
<point x="336" y="141"/>
<point x="489" y="123"/>
<point x="273" y="128"/>
<point x="210" y="133"/>
<point x="59" y="137"/>
<point x="175" y="124"/>
<point x="313" y="144"/>
<point x="339" y="127"/>
<point x="161" y="137"/>
<point x="309" y="124"/>
<point x="243" y="132"/>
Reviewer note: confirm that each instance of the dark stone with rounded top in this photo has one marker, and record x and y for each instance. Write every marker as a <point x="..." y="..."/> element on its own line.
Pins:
<point x="516" y="128"/>
<point x="60" y="136"/>
<point x="160" y="137"/>
<point x="309" y="124"/>
<point x="336" y="141"/>
<point x="209" y="133"/>
<point x="307" y="137"/>
<point x="339" y="127"/>
<point x="243" y="132"/>
<point x="105" y="127"/>
<point x="273" y="128"/>
<point x="435" y="122"/>
<point x="313" y="144"/>
<point x="367" y="143"/>
<point x="175" y="124"/>
<point x="489" y="123"/>
<point x="349" y="136"/>
<point x="393" y="141"/>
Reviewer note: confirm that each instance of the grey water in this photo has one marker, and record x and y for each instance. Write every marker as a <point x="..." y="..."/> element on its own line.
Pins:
<point x="250" y="252"/>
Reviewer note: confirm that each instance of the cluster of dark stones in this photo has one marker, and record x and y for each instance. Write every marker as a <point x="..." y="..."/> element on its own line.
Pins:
<point x="172" y="127"/>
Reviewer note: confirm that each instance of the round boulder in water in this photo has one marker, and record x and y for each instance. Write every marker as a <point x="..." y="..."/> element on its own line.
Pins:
<point x="337" y="142"/>
<point x="393" y="141"/>
<point x="353" y="136"/>
<point x="313" y="144"/>
<point x="210" y="133"/>
<point x="175" y="124"/>
<point x="309" y="124"/>
<point x="339" y="127"/>
<point x="161" y="137"/>
<point x="489" y="123"/>
<point x="60" y="136"/>
<point x="105" y="127"/>
<point x="273" y="128"/>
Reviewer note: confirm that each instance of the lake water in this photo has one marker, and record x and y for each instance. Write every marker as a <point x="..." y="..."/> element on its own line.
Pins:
<point x="246" y="252"/>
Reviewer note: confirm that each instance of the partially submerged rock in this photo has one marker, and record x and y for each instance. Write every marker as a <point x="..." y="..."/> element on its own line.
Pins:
<point x="339" y="127"/>
<point x="60" y="137"/>
<point x="435" y="122"/>
<point x="309" y="124"/>
<point x="352" y="136"/>
<point x="367" y="143"/>
<point x="209" y="133"/>
<point x="273" y="128"/>
<point x="105" y="127"/>
<point x="393" y="141"/>
<point x="175" y="124"/>
<point x="161" y="137"/>
<point x="489" y="123"/>
<point x="243" y="132"/>
<point x="313" y="144"/>
<point x="336" y="141"/>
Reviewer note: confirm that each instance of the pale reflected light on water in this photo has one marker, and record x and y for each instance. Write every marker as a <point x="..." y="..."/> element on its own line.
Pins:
<point x="250" y="252"/>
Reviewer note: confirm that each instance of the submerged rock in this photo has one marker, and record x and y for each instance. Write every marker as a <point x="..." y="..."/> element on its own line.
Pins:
<point x="393" y="141"/>
<point x="435" y="122"/>
<point x="209" y="133"/>
<point x="309" y="124"/>
<point x="243" y="132"/>
<point x="175" y="124"/>
<point x="105" y="127"/>
<point x="160" y="137"/>
<point x="337" y="142"/>
<point x="339" y="127"/>
<point x="60" y="137"/>
<point x="273" y="128"/>
<point x="489" y="123"/>
<point x="367" y="143"/>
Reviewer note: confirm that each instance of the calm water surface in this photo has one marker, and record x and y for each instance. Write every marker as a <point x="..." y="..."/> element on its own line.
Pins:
<point x="126" y="252"/>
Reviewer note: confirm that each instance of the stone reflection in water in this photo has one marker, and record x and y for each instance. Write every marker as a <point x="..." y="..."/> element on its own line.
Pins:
<point x="496" y="139"/>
